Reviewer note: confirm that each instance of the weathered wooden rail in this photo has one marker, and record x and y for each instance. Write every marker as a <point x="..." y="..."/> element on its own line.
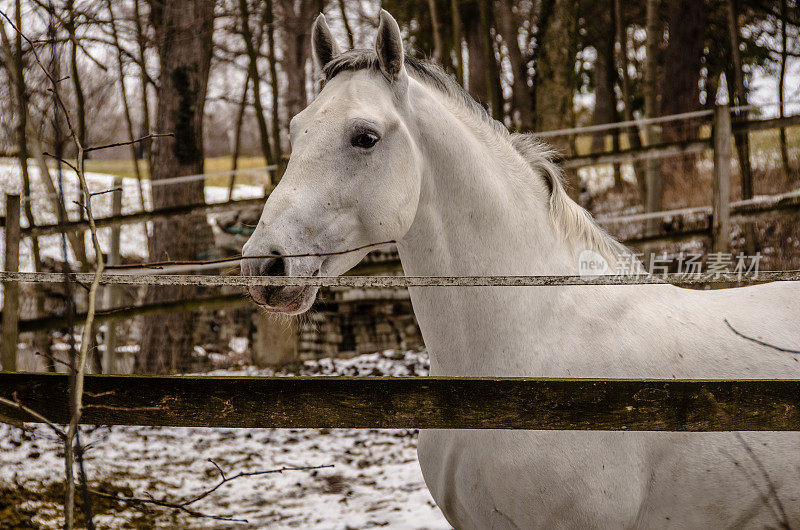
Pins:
<point x="423" y="402"/>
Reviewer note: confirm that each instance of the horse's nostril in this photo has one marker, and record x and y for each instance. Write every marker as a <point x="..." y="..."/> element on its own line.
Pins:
<point x="276" y="267"/>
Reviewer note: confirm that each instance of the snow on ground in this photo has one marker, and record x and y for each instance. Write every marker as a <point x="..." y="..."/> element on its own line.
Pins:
<point x="375" y="481"/>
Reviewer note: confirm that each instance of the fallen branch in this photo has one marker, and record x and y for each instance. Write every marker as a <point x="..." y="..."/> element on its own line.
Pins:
<point x="184" y="505"/>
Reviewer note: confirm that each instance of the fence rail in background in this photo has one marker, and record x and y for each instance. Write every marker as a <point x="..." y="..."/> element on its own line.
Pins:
<point x="656" y="151"/>
<point x="768" y="123"/>
<point x="406" y="403"/>
<point x="139" y="217"/>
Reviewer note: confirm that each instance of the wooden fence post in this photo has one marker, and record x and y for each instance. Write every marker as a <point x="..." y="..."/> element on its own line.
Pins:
<point x="10" y="331"/>
<point x="112" y="292"/>
<point x="275" y="341"/>
<point x="720" y="222"/>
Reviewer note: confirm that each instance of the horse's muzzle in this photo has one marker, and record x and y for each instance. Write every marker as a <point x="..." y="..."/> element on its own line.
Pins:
<point x="279" y="299"/>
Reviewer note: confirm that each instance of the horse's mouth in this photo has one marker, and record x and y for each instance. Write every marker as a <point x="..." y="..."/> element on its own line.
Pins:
<point x="290" y="300"/>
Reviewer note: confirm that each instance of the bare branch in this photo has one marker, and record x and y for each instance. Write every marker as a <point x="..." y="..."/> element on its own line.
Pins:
<point x="117" y="144"/>
<point x="184" y="505"/>
<point x="35" y="415"/>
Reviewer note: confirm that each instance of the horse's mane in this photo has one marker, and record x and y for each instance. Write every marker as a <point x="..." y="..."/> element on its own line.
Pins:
<point x="576" y="223"/>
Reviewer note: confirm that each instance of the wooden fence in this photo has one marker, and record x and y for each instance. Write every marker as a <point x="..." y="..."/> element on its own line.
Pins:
<point x="421" y="402"/>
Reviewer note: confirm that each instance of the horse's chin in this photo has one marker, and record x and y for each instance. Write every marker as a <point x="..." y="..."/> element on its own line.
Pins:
<point x="287" y="300"/>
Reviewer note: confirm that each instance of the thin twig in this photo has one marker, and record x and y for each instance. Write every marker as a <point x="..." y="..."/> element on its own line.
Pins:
<point x="129" y="142"/>
<point x="160" y="264"/>
<point x="35" y="415"/>
<point x="53" y="358"/>
<point x="760" y="342"/>
<point x="112" y="190"/>
<point x="73" y="168"/>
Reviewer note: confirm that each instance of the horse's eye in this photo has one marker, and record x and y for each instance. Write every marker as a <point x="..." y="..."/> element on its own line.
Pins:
<point x="365" y="140"/>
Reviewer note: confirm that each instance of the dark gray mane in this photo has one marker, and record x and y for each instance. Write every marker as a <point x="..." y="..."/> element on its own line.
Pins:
<point x="424" y="71"/>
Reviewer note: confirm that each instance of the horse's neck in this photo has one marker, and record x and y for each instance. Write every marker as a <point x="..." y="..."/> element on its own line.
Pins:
<point x="477" y="217"/>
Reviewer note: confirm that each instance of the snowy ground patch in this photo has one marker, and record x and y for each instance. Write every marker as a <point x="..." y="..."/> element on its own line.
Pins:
<point x="375" y="481"/>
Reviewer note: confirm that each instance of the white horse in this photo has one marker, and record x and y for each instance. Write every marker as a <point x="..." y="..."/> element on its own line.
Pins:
<point x="393" y="149"/>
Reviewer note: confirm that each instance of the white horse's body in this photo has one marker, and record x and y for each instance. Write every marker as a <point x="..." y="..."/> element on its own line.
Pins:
<point x="464" y="198"/>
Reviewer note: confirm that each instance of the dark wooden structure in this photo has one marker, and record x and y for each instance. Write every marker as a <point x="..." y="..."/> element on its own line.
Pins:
<point x="426" y="402"/>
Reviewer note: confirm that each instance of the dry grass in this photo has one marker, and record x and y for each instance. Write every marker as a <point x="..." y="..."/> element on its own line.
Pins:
<point x="124" y="168"/>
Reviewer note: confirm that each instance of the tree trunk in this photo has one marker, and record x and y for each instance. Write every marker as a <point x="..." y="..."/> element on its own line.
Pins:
<point x="345" y="21"/>
<point x="682" y="65"/>
<point x="521" y="98"/>
<point x="41" y="341"/>
<point x="125" y="107"/>
<point x="437" y="32"/>
<point x="742" y="138"/>
<point x="255" y="79"/>
<point x="455" y="15"/>
<point x="145" y="148"/>
<point x="184" y="32"/>
<point x="739" y="99"/>
<point x="634" y="140"/>
<point x="237" y="138"/>
<point x="781" y="82"/>
<point x="492" y="72"/>
<point x="80" y="100"/>
<point x="680" y="81"/>
<point x="555" y="78"/>
<point x="653" y="136"/>
<point x="296" y="19"/>
<point x="269" y="21"/>
<point x="605" y="74"/>
<point x="476" y="53"/>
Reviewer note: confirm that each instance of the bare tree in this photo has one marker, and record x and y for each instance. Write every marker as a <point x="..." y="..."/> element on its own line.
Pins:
<point x="346" y="21"/>
<point x="509" y="30"/>
<point x="739" y="97"/>
<point x="555" y="76"/>
<point x="455" y="15"/>
<point x="627" y="96"/>
<point x="296" y="17"/>
<point x="269" y="22"/>
<point x="184" y="34"/>
<point x="255" y="80"/>
<point x="125" y="106"/>
<point x="653" y="136"/>
<point x="781" y="83"/>
<point x="742" y="137"/>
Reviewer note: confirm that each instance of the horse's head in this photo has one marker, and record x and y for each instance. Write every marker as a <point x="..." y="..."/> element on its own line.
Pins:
<point x="353" y="178"/>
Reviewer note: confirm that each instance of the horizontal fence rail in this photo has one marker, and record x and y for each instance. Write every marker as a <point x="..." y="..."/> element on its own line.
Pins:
<point x="768" y="123"/>
<point x="138" y="217"/>
<point x="405" y="281"/>
<point x="637" y="153"/>
<point x="424" y="403"/>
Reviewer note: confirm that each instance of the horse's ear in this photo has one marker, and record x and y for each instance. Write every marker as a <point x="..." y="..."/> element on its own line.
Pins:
<point x="389" y="46"/>
<point x="323" y="46"/>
